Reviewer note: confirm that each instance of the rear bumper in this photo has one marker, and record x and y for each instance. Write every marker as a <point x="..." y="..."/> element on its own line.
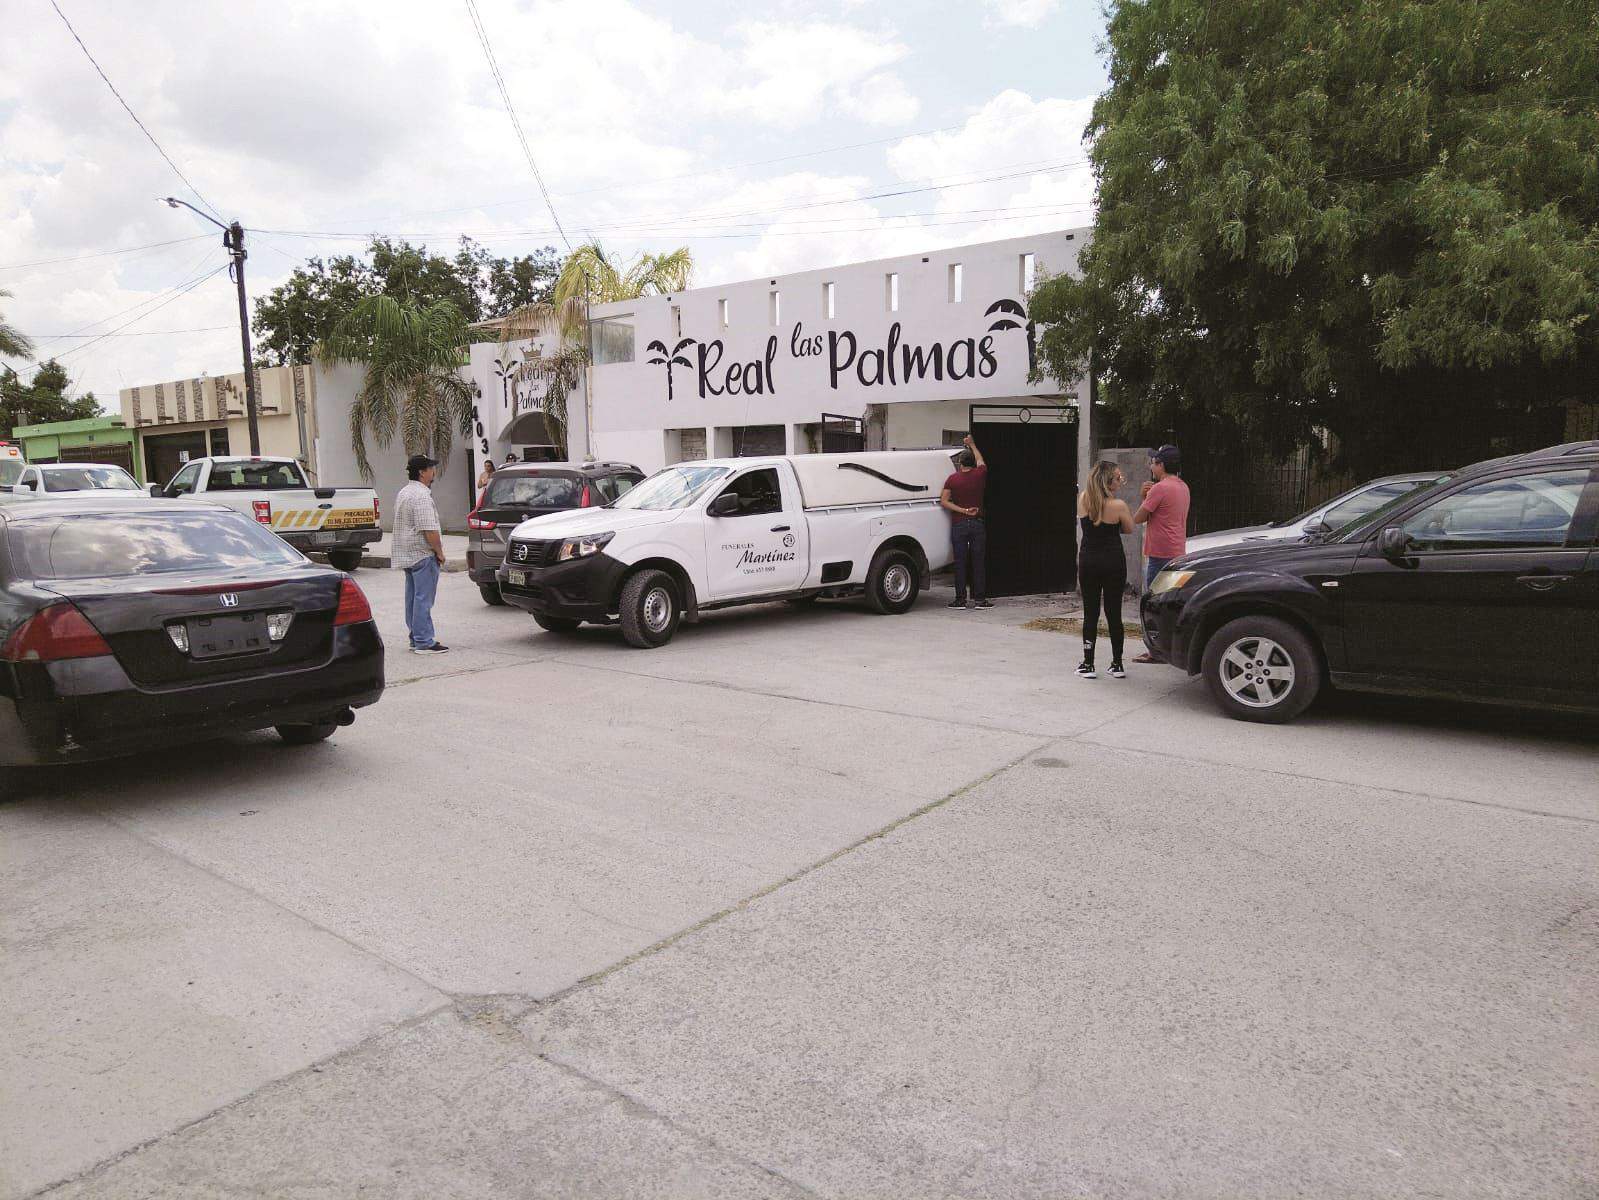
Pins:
<point x="581" y="590"/>
<point x="483" y="562"/>
<point x="86" y="709"/>
<point x="343" y="539"/>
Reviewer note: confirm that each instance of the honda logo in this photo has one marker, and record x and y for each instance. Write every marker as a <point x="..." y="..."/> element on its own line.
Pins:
<point x="229" y="600"/>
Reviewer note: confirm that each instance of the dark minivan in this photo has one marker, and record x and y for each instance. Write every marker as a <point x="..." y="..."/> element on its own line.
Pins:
<point x="1484" y="586"/>
<point x="522" y="490"/>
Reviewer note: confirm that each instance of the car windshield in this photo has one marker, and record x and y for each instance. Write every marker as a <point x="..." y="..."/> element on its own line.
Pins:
<point x="533" y="491"/>
<point x="116" y="545"/>
<point x="675" y="487"/>
<point x="88" y="479"/>
<point x="253" y="477"/>
<point x="1357" y="528"/>
<point x="11" y="470"/>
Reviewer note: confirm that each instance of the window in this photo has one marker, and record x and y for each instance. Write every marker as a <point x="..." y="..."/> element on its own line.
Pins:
<point x="89" y="479"/>
<point x="1028" y="272"/>
<point x="219" y="442"/>
<point x="722" y="313"/>
<point x="955" y="437"/>
<point x="957" y="282"/>
<point x="30" y="479"/>
<point x="675" y="487"/>
<point x="891" y="291"/>
<point x="830" y="300"/>
<point x="1527" y="511"/>
<point x="183" y="482"/>
<point x="127" y="544"/>
<point x="1363" y="504"/>
<point x="677" y="320"/>
<point x="613" y="487"/>
<point x="613" y="340"/>
<point x="10" y="471"/>
<point x="241" y="476"/>
<point x="526" y="490"/>
<point x="774" y="304"/>
<point x="757" y="491"/>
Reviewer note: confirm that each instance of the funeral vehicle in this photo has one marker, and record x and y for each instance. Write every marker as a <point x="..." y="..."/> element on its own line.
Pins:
<point x="716" y="533"/>
<point x="129" y="624"/>
<point x="275" y="492"/>
<point x="1484" y="586"/>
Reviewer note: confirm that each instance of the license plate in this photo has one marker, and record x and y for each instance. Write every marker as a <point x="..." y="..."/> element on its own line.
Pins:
<point x="518" y="578"/>
<point x="324" y="539"/>
<point x="218" y="637"/>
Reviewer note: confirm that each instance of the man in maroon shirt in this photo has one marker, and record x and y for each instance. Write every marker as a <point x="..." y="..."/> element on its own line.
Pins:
<point x="963" y="498"/>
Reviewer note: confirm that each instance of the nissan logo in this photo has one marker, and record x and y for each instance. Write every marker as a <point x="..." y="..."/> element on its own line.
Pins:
<point x="229" y="600"/>
<point x="519" y="553"/>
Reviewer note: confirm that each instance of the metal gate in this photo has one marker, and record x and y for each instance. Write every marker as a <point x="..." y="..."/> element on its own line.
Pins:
<point x="842" y="435"/>
<point x="1031" y="501"/>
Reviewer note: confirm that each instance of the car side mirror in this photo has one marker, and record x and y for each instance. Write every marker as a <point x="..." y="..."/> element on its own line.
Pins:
<point x="725" y="505"/>
<point x="1393" y="542"/>
<point x="155" y="490"/>
<point x="1316" y="530"/>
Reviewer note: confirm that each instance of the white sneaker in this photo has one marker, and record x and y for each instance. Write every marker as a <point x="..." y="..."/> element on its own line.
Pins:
<point x="1116" y="671"/>
<point x="1086" y="670"/>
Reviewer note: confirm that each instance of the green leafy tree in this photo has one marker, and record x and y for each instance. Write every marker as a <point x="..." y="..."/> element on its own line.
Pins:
<point x="12" y="343"/>
<point x="412" y="385"/>
<point x="44" y="398"/>
<point x="291" y="319"/>
<point x="1374" y="217"/>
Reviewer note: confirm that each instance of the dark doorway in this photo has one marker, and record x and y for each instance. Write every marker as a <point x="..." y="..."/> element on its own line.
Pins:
<point x="842" y="435"/>
<point x="165" y="455"/>
<point x="1031" y="501"/>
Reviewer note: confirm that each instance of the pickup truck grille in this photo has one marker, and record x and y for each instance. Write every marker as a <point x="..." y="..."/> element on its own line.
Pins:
<point x="525" y="552"/>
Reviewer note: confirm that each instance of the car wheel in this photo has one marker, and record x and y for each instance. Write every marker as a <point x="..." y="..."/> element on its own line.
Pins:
<point x="305" y="735"/>
<point x="893" y="583"/>
<point x="555" y="624"/>
<point x="491" y="594"/>
<point x="1262" y="669"/>
<point x="345" y="560"/>
<point x="650" y="609"/>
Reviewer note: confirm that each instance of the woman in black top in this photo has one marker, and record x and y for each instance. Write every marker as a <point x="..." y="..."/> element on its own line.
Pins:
<point x="1101" y="563"/>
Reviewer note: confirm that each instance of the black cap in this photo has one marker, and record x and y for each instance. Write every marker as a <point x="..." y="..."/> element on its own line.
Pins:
<point x="418" y="463"/>
<point x="1166" y="456"/>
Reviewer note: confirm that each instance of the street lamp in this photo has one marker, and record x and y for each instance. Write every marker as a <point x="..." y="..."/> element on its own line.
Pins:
<point x="233" y="240"/>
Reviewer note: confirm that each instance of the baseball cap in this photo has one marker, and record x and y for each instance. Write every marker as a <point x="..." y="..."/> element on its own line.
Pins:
<point x="1166" y="455"/>
<point x="418" y="463"/>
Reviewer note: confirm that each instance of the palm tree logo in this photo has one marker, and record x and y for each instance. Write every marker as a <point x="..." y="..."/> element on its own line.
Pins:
<point x="1009" y="311"/>
<point x="676" y="358"/>
<point x="506" y="370"/>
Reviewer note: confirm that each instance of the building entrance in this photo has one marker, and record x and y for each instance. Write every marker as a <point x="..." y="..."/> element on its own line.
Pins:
<point x="1031" y="501"/>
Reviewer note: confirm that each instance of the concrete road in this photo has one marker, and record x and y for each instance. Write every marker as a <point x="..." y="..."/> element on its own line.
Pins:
<point x="808" y="903"/>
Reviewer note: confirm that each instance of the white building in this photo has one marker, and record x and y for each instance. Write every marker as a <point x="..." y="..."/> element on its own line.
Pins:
<point x="911" y="352"/>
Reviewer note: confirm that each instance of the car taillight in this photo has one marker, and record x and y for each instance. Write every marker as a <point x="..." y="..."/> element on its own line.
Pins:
<point x="353" y="608"/>
<point x="473" y="521"/>
<point x="263" y="511"/>
<point x="587" y="497"/>
<point x="377" y="513"/>
<point x="52" y="634"/>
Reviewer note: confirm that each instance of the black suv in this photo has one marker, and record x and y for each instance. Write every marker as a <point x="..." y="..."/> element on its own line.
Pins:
<point x="522" y="490"/>
<point x="1484" y="586"/>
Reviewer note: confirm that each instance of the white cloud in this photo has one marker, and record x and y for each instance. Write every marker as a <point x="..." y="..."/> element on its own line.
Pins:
<point x="1025" y="14"/>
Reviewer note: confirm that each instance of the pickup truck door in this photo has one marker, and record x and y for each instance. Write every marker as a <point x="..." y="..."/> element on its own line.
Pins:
<point x="765" y="547"/>
<point x="184" y="482"/>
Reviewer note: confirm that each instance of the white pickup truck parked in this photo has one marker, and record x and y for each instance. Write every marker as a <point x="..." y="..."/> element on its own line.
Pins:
<point x="337" y="521"/>
<point x="703" y="535"/>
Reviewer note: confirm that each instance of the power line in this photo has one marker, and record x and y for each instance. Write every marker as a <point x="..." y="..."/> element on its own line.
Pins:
<point x="140" y="333"/>
<point x="510" y="111"/>
<point x="128" y="108"/>
<point x="113" y="332"/>
<point x="47" y="262"/>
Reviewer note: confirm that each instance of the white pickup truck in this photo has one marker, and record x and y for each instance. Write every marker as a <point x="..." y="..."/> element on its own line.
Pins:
<point x="712" y="534"/>
<point x="337" y="521"/>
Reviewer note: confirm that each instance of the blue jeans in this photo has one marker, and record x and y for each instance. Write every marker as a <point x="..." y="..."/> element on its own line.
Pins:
<point x="1153" y="568"/>
<point x="969" y="538"/>
<point x="421" y="585"/>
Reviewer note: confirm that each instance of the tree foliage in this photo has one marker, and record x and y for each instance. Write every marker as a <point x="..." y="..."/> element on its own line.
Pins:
<point x="291" y="319"/>
<point x="44" y="398"/>
<point x="1376" y="217"/>
<point x="412" y="384"/>
<point x="12" y="343"/>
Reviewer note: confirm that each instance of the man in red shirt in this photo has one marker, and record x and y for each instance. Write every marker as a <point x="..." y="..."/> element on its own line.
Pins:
<point x="962" y="497"/>
<point x="1165" y="512"/>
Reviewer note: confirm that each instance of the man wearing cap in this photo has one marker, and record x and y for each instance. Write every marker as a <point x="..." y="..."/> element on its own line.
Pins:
<point x="1165" y="512"/>
<point x="419" y="552"/>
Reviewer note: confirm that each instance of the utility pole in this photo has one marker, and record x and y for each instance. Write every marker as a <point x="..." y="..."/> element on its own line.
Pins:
<point x="233" y="241"/>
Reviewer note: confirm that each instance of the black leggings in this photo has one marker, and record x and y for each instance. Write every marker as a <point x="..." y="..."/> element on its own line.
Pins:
<point x="1102" y="583"/>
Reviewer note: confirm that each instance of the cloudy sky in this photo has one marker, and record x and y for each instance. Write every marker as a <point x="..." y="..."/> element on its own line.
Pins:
<point x="767" y="138"/>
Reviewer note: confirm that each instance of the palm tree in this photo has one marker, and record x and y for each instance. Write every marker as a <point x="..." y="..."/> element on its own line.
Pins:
<point x="412" y="354"/>
<point x="659" y="356"/>
<point x="12" y="343"/>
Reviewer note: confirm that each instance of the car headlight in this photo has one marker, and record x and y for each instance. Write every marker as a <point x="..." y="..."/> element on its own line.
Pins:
<point x="582" y="547"/>
<point x="1169" y="580"/>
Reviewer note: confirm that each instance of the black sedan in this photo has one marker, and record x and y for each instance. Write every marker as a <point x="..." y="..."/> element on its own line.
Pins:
<point x="1483" y="587"/>
<point x="131" y="624"/>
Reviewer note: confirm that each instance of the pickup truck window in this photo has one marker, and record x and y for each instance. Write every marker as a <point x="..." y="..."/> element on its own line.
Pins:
<point x="675" y="487"/>
<point x="183" y="482"/>
<point x="97" y="546"/>
<point x="757" y="491"/>
<point x="254" y="477"/>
